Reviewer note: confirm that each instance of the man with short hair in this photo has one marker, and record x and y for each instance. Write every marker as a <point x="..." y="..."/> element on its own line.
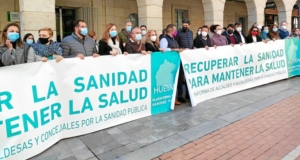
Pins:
<point x="134" y="44"/>
<point x="240" y="37"/>
<point x="185" y="40"/>
<point x="203" y="40"/>
<point x="231" y="38"/>
<point x="144" y="32"/>
<point x="79" y="44"/>
<point x="125" y="34"/>
<point x="168" y="43"/>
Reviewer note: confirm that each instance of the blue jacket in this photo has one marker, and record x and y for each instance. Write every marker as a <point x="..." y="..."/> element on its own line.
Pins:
<point x="185" y="39"/>
<point x="283" y="34"/>
<point x="172" y="43"/>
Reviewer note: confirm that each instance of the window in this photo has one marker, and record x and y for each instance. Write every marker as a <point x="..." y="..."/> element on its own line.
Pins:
<point x="179" y="16"/>
<point x="133" y="18"/>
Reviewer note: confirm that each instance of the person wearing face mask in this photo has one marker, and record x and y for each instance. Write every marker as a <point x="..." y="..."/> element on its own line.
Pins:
<point x="28" y="38"/>
<point x="79" y="44"/>
<point x="184" y="36"/>
<point x="217" y="39"/>
<point x="111" y="44"/>
<point x="168" y="43"/>
<point x="253" y="35"/>
<point x="274" y="33"/>
<point x="202" y="40"/>
<point x="134" y="44"/>
<point x="283" y="32"/>
<point x="12" y="49"/>
<point x="240" y="37"/>
<point x="185" y="41"/>
<point x="265" y="33"/>
<point x="45" y="49"/>
<point x="198" y="32"/>
<point x="152" y="43"/>
<point x="231" y="38"/>
<point x="125" y="34"/>
<point x="144" y="32"/>
<point x="295" y="32"/>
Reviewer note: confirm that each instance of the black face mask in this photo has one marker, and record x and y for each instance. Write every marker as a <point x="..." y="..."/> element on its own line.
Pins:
<point x="229" y="31"/>
<point x="44" y="40"/>
<point x="184" y="29"/>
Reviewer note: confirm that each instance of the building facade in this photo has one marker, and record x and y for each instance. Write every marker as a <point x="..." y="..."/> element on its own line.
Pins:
<point x="155" y="14"/>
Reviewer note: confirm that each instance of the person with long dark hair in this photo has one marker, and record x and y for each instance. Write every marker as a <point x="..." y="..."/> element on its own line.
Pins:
<point x="253" y="35"/>
<point x="28" y="38"/>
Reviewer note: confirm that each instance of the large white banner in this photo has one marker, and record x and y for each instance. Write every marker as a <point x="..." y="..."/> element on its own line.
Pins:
<point x="224" y="70"/>
<point x="42" y="103"/>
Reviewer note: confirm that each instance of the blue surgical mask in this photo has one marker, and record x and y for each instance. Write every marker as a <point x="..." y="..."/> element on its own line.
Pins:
<point x="29" y="41"/>
<point x="138" y="37"/>
<point x="84" y="31"/>
<point x="13" y="36"/>
<point x="128" y="28"/>
<point x="266" y="31"/>
<point x="275" y="29"/>
<point x="113" y="33"/>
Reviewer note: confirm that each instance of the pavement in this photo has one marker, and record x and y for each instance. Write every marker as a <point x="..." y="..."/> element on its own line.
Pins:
<point x="234" y="121"/>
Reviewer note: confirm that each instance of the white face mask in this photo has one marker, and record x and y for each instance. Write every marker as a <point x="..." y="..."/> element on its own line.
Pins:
<point x="153" y="38"/>
<point x="239" y="29"/>
<point x="219" y="32"/>
<point x="283" y="27"/>
<point x="144" y="32"/>
<point x="199" y="32"/>
<point x="204" y="34"/>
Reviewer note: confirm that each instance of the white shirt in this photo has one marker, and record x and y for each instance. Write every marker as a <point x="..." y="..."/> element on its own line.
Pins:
<point x="242" y="37"/>
<point x="254" y="39"/>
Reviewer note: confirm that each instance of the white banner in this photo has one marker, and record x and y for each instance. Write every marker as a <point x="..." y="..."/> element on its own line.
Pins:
<point x="224" y="70"/>
<point x="42" y="103"/>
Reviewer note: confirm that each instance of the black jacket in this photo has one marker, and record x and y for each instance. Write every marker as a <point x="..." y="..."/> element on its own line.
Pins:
<point x="150" y="47"/>
<point x="199" y="42"/>
<point x="238" y="37"/>
<point x="228" y="39"/>
<point x="249" y="39"/>
<point x="104" y="48"/>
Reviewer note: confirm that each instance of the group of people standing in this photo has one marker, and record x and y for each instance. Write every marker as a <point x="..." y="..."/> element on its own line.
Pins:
<point x="132" y="39"/>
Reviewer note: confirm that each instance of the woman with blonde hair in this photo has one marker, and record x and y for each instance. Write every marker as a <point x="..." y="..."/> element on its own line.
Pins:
<point x="152" y="41"/>
<point x="45" y="48"/>
<point x="110" y="44"/>
<point x="12" y="50"/>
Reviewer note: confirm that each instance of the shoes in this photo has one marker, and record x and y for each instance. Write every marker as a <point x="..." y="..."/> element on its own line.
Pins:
<point x="177" y="102"/>
<point x="181" y="100"/>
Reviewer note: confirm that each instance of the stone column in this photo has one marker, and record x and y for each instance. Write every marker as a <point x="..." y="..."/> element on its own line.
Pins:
<point x="256" y="11"/>
<point x="285" y="8"/>
<point x="37" y="14"/>
<point x="213" y="11"/>
<point x="150" y="14"/>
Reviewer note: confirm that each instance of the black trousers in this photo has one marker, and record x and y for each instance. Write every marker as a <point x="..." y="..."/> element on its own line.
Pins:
<point x="181" y="81"/>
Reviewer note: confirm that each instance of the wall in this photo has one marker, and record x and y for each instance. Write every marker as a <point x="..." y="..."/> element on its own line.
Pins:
<point x="101" y="12"/>
<point x="196" y="13"/>
<point x="12" y="6"/>
<point x="232" y="11"/>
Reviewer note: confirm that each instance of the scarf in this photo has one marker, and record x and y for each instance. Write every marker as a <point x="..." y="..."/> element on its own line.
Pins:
<point x="46" y="51"/>
<point x="264" y="36"/>
<point x="115" y="47"/>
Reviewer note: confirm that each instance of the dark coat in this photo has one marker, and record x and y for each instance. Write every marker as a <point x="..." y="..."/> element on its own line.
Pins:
<point x="199" y="42"/>
<point x="249" y="39"/>
<point x="104" y="48"/>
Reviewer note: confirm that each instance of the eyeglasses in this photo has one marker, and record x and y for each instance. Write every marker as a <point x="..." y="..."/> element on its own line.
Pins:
<point x="254" y="31"/>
